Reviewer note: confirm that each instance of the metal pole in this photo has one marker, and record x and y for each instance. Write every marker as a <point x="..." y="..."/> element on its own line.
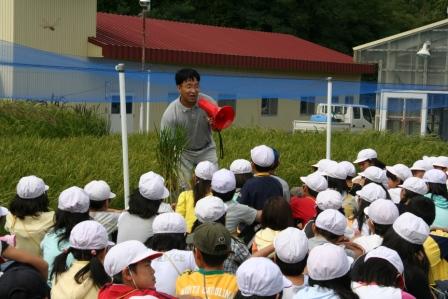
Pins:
<point x="142" y="107"/>
<point x="124" y="132"/>
<point x="148" y="93"/>
<point x="329" y="96"/>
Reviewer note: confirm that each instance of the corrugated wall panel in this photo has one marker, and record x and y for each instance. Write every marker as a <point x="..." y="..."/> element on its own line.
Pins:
<point x="61" y="26"/>
<point x="6" y="20"/>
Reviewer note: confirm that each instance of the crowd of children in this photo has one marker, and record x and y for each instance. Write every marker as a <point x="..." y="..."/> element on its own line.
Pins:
<point x="238" y="233"/>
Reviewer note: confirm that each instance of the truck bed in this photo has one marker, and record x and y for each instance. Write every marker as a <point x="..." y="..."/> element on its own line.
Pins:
<point x="305" y="125"/>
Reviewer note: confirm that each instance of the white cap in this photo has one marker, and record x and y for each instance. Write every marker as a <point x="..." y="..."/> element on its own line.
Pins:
<point x="401" y="171"/>
<point x="336" y="171"/>
<point x="259" y="276"/>
<point x="166" y="223"/>
<point x="382" y="211"/>
<point x="74" y="200"/>
<point x="31" y="187"/>
<point x="327" y="261"/>
<point x="291" y="245"/>
<point x="422" y="165"/>
<point x="371" y="192"/>
<point x="241" y="166"/>
<point x="205" y="170"/>
<point x="127" y="253"/>
<point x="387" y="254"/>
<point x="152" y="186"/>
<point x="262" y="155"/>
<point x="210" y="209"/>
<point x="349" y="168"/>
<point x="375" y="174"/>
<point x="223" y="181"/>
<point x="325" y="166"/>
<point x="411" y="228"/>
<point x="315" y="182"/>
<point x="98" y="191"/>
<point x="3" y="212"/>
<point x="436" y="176"/>
<point x="332" y="221"/>
<point x="89" y="234"/>
<point x="416" y="185"/>
<point x="366" y="154"/>
<point x="322" y="164"/>
<point x="441" y="161"/>
<point x="329" y="199"/>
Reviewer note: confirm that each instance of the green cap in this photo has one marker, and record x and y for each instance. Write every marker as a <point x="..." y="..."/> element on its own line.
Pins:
<point x="212" y="238"/>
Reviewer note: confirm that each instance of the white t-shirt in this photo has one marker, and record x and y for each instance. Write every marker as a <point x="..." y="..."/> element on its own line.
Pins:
<point x="133" y="227"/>
<point x="368" y="243"/>
<point x="289" y="293"/>
<point x="375" y="291"/>
<point x="169" y="266"/>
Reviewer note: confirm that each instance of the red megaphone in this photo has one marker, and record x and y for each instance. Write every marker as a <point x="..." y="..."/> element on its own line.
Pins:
<point x="222" y="117"/>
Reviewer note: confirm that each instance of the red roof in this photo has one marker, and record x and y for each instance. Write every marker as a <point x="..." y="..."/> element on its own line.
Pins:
<point x="193" y="44"/>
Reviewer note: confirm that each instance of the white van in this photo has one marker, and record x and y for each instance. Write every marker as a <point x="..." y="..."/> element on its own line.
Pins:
<point x="343" y="117"/>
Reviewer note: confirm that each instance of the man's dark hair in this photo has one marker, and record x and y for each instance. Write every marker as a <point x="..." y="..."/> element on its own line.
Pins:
<point x="186" y="74"/>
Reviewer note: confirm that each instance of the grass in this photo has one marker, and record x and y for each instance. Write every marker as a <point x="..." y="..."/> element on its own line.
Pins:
<point x="75" y="149"/>
<point x="64" y="162"/>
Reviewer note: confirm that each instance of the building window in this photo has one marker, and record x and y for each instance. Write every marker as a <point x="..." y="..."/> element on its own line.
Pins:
<point x="115" y="105"/>
<point x="348" y="100"/>
<point x="227" y="100"/>
<point x="334" y="99"/>
<point x="356" y="113"/>
<point x="269" y="106"/>
<point x="307" y="105"/>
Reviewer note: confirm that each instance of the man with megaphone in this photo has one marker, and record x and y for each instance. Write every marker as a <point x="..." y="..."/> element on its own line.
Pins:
<point x="186" y="111"/>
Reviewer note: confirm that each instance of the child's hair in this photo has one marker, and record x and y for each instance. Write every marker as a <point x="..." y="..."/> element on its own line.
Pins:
<point x="97" y="204"/>
<point x="407" y="194"/>
<point x="224" y="196"/>
<point x="143" y="207"/>
<point x="381" y="229"/>
<point x="65" y="221"/>
<point x="341" y="286"/>
<point x="329" y="236"/>
<point x="393" y="177"/>
<point x="241" y="178"/>
<point x="339" y="185"/>
<point x="94" y="267"/>
<point x="21" y="207"/>
<point x="422" y="207"/>
<point x="241" y="296"/>
<point x="166" y="242"/>
<point x="221" y="220"/>
<point x="375" y="271"/>
<point x="214" y="260"/>
<point x="259" y="168"/>
<point x="118" y="278"/>
<point x="438" y="189"/>
<point x="201" y="188"/>
<point x="359" y="215"/>
<point x="377" y="163"/>
<point x="277" y="214"/>
<point x="293" y="269"/>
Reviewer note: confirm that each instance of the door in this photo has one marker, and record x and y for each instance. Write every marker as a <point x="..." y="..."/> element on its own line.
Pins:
<point x="404" y="112"/>
<point x="115" y="120"/>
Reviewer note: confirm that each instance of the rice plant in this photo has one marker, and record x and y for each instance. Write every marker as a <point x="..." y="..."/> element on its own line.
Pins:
<point x="171" y="142"/>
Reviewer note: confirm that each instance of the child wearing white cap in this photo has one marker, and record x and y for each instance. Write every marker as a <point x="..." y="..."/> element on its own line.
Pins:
<point x="304" y="207"/>
<point x="276" y="216"/>
<point x="73" y="208"/>
<point x="329" y="274"/>
<point x="419" y="168"/>
<point x="291" y="253"/>
<point x="257" y="190"/>
<point x="411" y="187"/>
<point x="407" y="236"/>
<point x="242" y="169"/>
<point x="259" y="277"/>
<point x="144" y="205"/>
<point x="368" y="194"/>
<point x="224" y="187"/>
<point x="128" y="264"/>
<point x="396" y="175"/>
<point x="201" y="187"/>
<point x="29" y="218"/>
<point x="441" y="163"/>
<point x="84" y="278"/>
<point x="379" y="274"/>
<point x="212" y="209"/>
<point x="438" y="193"/>
<point x="100" y="197"/>
<point x="368" y="157"/>
<point x="169" y="238"/>
<point x="382" y="213"/>
<point x="330" y="227"/>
